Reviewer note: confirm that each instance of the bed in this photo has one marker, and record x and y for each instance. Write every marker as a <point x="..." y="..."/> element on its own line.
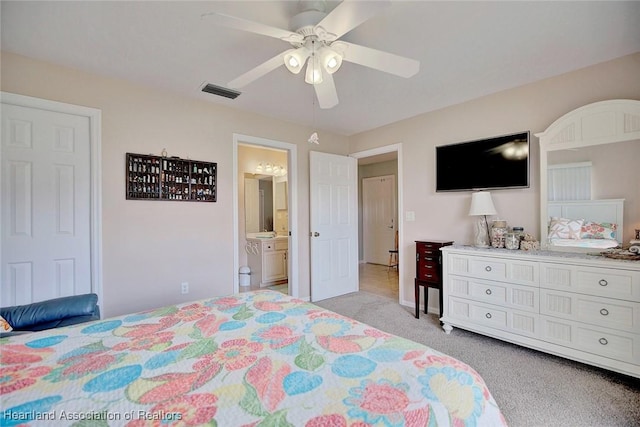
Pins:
<point x="258" y="358"/>
<point x="585" y="224"/>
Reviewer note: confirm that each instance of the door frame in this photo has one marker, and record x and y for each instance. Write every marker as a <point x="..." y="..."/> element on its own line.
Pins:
<point x="292" y="203"/>
<point x="95" y="164"/>
<point x="400" y="221"/>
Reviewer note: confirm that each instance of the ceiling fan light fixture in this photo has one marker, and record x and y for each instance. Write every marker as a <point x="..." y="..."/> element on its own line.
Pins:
<point x="331" y="60"/>
<point x="294" y="59"/>
<point x="313" y="74"/>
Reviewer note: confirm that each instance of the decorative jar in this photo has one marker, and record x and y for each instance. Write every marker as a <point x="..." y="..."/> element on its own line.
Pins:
<point x="512" y="241"/>
<point x="519" y="231"/>
<point x="498" y="233"/>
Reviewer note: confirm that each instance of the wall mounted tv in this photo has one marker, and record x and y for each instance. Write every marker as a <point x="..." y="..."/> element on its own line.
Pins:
<point x="493" y="163"/>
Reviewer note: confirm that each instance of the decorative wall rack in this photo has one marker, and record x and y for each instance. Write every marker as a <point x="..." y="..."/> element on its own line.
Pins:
<point x="170" y="178"/>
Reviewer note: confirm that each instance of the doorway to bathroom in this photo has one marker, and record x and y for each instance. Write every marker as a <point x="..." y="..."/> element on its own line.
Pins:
<point x="265" y="244"/>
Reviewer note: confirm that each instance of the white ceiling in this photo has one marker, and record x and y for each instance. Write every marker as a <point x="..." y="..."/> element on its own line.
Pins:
<point x="466" y="50"/>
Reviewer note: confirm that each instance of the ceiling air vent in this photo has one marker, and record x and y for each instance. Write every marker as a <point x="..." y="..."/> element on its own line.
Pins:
<point x="221" y="91"/>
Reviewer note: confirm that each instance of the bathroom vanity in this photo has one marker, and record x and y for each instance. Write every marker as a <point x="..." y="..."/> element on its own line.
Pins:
<point x="267" y="257"/>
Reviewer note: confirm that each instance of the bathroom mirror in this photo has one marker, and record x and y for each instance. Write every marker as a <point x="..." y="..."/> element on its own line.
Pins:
<point x="258" y="203"/>
<point x="280" y="195"/>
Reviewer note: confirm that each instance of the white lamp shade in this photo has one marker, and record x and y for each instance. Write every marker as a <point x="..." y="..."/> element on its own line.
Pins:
<point x="330" y="60"/>
<point x="314" y="72"/>
<point x="294" y="59"/>
<point x="481" y="204"/>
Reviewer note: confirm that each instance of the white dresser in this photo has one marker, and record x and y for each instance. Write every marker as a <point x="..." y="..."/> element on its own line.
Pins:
<point x="578" y="306"/>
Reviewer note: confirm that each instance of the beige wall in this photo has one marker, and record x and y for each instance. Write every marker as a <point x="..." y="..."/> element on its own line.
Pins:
<point x="532" y="107"/>
<point x="150" y="248"/>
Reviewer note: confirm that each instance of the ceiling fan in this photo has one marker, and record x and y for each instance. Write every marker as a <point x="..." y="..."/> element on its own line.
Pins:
<point x="315" y="40"/>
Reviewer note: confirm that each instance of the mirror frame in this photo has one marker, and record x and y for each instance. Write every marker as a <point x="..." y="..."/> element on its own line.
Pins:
<point x="603" y="122"/>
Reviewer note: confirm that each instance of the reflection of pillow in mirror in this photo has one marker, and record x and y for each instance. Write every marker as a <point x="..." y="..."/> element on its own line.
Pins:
<point x="565" y="228"/>
<point x="594" y="230"/>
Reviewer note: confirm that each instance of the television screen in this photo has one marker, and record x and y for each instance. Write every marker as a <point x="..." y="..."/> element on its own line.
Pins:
<point x="493" y="163"/>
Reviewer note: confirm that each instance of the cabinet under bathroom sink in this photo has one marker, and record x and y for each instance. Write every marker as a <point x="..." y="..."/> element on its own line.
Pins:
<point x="268" y="260"/>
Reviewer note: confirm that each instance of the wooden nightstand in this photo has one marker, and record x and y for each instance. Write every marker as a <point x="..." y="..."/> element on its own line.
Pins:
<point x="428" y="270"/>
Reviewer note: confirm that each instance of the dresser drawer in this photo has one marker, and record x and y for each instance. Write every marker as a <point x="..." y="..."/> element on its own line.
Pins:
<point x="613" y="284"/>
<point x="428" y="255"/>
<point x="499" y="293"/>
<point x="504" y="270"/>
<point x="430" y="246"/>
<point x="607" y="312"/>
<point x="616" y="345"/>
<point x="428" y="275"/>
<point x="621" y="284"/>
<point x="493" y="316"/>
<point x="428" y="271"/>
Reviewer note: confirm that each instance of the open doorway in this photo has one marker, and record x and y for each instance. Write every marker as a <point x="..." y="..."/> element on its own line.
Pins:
<point x="379" y="221"/>
<point x="265" y="241"/>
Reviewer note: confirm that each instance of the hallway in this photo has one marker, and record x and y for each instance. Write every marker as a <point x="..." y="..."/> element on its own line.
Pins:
<point x="377" y="279"/>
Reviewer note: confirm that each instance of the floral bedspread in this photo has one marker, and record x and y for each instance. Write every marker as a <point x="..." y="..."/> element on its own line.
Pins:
<point x="253" y="359"/>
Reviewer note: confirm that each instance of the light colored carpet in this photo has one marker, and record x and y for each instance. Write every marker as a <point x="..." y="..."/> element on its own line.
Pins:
<point x="530" y="387"/>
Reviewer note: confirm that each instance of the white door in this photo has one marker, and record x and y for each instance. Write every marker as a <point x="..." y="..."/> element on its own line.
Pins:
<point x="334" y="225"/>
<point x="378" y="217"/>
<point x="46" y="205"/>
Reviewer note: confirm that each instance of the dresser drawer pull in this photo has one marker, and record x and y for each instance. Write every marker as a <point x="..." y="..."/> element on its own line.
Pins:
<point x="603" y="282"/>
<point x="429" y="275"/>
<point x="604" y="311"/>
<point x="488" y="315"/>
<point x="488" y="292"/>
<point x="488" y="268"/>
<point x="603" y="341"/>
<point x="429" y="266"/>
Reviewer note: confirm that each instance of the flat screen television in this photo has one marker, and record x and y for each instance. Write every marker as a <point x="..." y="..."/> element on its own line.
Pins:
<point x="485" y="164"/>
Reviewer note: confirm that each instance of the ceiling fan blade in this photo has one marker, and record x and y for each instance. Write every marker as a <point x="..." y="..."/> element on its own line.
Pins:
<point x="377" y="59"/>
<point x="346" y="16"/>
<point x="252" y="27"/>
<point x="326" y="92"/>
<point x="258" y="71"/>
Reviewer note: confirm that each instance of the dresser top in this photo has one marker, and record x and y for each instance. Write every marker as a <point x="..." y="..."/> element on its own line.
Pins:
<point x="439" y="242"/>
<point x="544" y="255"/>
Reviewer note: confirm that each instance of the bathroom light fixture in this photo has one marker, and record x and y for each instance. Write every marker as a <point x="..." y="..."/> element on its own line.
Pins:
<point x="270" y="169"/>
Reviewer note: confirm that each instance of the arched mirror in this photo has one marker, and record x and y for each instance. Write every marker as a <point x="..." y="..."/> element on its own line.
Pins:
<point x="602" y="138"/>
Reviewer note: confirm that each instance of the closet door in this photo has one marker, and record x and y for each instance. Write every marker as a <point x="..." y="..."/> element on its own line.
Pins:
<point x="46" y="205"/>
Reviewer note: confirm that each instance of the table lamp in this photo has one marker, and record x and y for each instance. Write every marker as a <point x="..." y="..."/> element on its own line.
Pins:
<point x="481" y="206"/>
